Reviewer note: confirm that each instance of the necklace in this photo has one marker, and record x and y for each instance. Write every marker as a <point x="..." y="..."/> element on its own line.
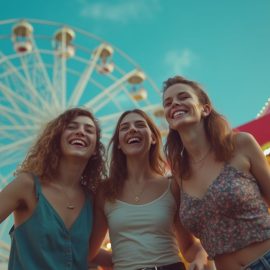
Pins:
<point x="70" y="205"/>
<point x="202" y="158"/>
<point x="137" y="195"/>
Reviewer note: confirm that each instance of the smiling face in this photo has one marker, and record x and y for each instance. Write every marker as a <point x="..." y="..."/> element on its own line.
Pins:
<point x="79" y="138"/>
<point x="182" y="106"/>
<point x="135" y="136"/>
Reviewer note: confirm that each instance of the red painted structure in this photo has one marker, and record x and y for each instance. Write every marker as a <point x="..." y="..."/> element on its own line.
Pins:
<point x="259" y="128"/>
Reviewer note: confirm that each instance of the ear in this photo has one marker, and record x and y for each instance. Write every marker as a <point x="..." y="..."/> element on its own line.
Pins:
<point x="206" y="110"/>
<point x="118" y="146"/>
<point x="154" y="141"/>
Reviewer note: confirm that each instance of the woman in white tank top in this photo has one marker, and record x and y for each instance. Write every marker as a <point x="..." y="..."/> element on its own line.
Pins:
<point x="138" y="204"/>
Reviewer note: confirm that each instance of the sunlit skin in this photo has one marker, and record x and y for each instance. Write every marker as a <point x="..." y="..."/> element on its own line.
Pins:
<point x="79" y="138"/>
<point x="19" y="196"/>
<point x="182" y="106"/>
<point x="135" y="139"/>
<point x="186" y="114"/>
<point x="135" y="136"/>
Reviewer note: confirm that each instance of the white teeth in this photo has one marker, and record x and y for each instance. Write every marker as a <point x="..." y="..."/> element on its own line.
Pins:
<point x="132" y="140"/>
<point x="78" y="142"/>
<point x="178" y="113"/>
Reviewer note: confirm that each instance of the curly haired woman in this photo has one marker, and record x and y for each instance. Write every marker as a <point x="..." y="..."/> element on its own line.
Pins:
<point x="51" y="196"/>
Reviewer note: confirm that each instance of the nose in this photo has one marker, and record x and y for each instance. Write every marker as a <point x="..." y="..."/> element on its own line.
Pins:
<point x="175" y="102"/>
<point x="132" y="129"/>
<point x="80" y="131"/>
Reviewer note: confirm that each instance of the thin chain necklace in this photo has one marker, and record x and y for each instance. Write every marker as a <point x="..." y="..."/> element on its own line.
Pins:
<point x="137" y="195"/>
<point x="70" y="205"/>
<point x="203" y="158"/>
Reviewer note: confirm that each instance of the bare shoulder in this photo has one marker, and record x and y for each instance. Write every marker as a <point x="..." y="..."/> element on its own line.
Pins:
<point x="246" y="144"/>
<point x="243" y="139"/>
<point x="248" y="150"/>
<point x="17" y="195"/>
<point x="24" y="181"/>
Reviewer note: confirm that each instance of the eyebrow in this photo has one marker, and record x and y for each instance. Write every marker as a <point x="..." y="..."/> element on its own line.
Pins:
<point x="179" y="94"/>
<point x="136" y="122"/>
<point x="87" y="125"/>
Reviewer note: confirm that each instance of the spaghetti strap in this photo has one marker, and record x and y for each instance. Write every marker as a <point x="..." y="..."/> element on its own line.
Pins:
<point x="37" y="186"/>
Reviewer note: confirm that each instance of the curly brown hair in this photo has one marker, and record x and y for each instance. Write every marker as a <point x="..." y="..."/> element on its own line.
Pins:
<point x="217" y="128"/>
<point x="118" y="166"/>
<point x="44" y="156"/>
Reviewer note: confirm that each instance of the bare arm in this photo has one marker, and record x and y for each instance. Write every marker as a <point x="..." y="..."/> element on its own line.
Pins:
<point x="259" y="166"/>
<point x="16" y="195"/>
<point x="190" y="247"/>
<point x="100" y="228"/>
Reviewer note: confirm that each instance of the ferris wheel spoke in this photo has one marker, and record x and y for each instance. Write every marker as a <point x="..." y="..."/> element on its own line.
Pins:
<point x="8" y="136"/>
<point x="77" y="93"/>
<point x="59" y="81"/>
<point x="9" y="95"/>
<point x="16" y="144"/>
<point x="115" y="101"/>
<point x="34" y="83"/>
<point x="43" y="74"/>
<point x="18" y="78"/>
<point x="13" y="96"/>
<point x="17" y="114"/>
<point x="111" y="88"/>
<point x="19" y="128"/>
<point x="12" y="158"/>
<point x="51" y="71"/>
<point x="108" y="118"/>
<point x="9" y="118"/>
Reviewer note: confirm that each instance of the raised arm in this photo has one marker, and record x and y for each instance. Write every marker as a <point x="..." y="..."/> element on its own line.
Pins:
<point x="16" y="195"/>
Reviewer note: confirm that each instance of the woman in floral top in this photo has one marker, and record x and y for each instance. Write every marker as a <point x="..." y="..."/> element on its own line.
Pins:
<point x="224" y="179"/>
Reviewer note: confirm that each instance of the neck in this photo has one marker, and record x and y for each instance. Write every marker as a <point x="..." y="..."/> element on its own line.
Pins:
<point x="70" y="172"/>
<point x="195" y="143"/>
<point x="139" y="169"/>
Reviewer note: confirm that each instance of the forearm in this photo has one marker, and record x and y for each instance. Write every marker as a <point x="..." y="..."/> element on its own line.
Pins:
<point x="195" y="252"/>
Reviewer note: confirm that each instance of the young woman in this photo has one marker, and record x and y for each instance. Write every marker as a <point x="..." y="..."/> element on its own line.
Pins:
<point x="223" y="176"/>
<point x="51" y="195"/>
<point x="138" y="203"/>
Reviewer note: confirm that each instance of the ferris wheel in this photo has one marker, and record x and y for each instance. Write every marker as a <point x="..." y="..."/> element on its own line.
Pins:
<point x="47" y="67"/>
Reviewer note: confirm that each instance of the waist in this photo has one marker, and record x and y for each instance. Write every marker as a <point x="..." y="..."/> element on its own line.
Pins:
<point x="242" y="257"/>
<point x="173" y="266"/>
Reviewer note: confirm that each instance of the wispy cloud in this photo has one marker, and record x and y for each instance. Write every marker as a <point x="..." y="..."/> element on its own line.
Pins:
<point x="178" y="61"/>
<point x="121" y="11"/>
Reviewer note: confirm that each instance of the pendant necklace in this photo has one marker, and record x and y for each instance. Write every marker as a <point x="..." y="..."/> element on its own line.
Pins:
<point x="137" y="195"/>
<point x="70" y="205"/>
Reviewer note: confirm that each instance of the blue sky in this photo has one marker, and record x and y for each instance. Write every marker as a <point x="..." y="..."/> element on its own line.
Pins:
<point x="225" y="45"/>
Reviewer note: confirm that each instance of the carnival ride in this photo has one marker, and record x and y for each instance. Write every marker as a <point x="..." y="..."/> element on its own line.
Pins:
<point x="47" y="67"/>
<point x="260" y="129"/>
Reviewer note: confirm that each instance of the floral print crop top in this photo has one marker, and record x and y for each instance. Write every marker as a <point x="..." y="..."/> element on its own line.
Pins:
<point x="230" y="216"/>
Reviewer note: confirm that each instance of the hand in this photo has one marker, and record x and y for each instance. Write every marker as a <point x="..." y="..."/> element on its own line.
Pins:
<point x="195" y="266"/>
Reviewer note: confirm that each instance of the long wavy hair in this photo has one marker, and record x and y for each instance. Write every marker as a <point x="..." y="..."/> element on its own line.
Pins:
<point x="118" y="163"/>
<point x="217" y="128"/>
<point x="44" y="156"/>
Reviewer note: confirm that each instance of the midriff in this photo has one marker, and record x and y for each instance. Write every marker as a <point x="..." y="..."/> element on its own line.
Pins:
<point x="238" y="259"/>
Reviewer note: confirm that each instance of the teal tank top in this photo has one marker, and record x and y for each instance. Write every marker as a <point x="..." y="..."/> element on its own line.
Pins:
<point x="44" y="242"/>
